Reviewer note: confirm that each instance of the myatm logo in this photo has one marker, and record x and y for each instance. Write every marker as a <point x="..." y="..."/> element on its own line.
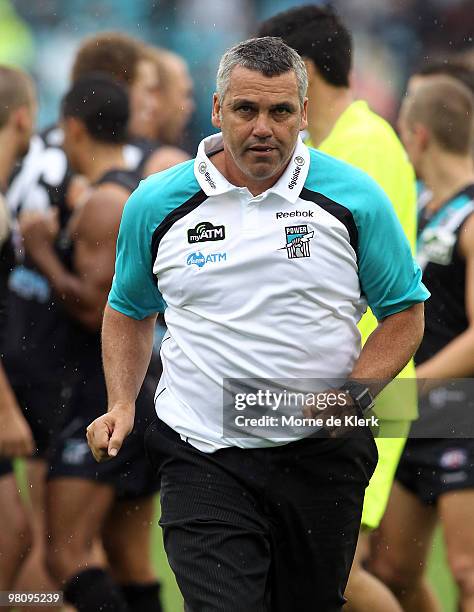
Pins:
<point x="206" y="232"/>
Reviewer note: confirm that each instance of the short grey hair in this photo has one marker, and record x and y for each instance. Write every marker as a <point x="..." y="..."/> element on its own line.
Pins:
<point x="268" y="55"/>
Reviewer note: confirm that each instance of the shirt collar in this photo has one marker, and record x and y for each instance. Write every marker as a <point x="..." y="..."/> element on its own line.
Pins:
<point x="212" y="182"/>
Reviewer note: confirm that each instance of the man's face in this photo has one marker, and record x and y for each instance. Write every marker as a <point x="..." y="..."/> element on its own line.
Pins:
<point x="260" y="119"/>
<point x="143" y="100"/>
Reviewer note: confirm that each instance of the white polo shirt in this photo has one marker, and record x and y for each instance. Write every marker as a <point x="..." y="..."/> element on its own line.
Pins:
<point x="268" y="287"/>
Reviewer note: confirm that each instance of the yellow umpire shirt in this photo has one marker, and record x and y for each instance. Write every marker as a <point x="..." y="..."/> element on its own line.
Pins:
<point x="365" y="140"/>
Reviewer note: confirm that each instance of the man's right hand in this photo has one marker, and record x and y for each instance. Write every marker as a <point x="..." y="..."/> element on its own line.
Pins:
<point x="106" y="434"/>
<point x="16" y="439"/>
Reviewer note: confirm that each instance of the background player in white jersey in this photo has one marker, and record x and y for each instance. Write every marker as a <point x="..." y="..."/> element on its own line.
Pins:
<point x="435" y="478"/>
<point x="17" y="121"/>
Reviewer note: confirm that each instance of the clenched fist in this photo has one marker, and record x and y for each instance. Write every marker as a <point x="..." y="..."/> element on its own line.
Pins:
<point x="106" y="434"/>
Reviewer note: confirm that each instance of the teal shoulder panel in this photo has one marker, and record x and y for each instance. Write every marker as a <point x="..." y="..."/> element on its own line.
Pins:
<point x="134" y="290"/>
<point x="389" y="276"/>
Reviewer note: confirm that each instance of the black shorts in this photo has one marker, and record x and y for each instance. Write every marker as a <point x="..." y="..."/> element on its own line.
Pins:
<point x="431" y="467"/>
<point x="270" y="529"/>
<point x="130" y="473"/>
<point x="45" y="407"/>
<point x="6" y="466"/>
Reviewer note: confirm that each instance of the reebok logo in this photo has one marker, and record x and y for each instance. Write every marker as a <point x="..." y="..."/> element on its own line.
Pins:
<point x="295" y="213"/>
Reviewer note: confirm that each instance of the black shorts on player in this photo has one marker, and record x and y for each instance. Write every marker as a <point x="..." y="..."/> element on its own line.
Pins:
<point x="6" y="467"/>
<point x="45" y="407"/>
<point x="130" y="473"/>
<point x="264" y="529"/>
<point x="430" y="468"/>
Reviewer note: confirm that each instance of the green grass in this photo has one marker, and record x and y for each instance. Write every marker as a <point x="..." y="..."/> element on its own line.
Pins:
<point x="440" y="576"/>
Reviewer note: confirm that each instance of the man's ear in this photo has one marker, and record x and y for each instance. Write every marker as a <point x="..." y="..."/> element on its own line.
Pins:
<point x="22" y="118"/>
<point x="311" y="70"/>
<point x="304" y="115"/>
<point x="216" y="112"/>
<point x="75" y="127"/>
<point x="422" y="135"/>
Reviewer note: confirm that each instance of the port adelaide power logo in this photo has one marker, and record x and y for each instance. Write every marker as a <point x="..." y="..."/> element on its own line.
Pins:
<point x="206" y="232"/>
<point x="297" y="241"/>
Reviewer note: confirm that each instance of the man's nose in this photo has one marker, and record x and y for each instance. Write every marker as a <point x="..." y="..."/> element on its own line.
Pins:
<point x="262" y="126"/>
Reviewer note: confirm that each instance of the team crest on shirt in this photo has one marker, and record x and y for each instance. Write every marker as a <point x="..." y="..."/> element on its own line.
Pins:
<point x="297" y="241"/>
<point x="437" y="245"/>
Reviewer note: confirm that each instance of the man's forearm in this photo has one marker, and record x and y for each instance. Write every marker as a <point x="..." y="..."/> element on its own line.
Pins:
<point x="126" y="351"/>
<point x="389" y="348"/>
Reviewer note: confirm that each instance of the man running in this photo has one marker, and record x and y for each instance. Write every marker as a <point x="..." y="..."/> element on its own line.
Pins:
<point x="258" y="248"/>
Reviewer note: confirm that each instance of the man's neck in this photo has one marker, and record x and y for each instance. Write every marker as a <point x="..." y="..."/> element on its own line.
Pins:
<point x="8" y="157"/>
<point x="326" y="105"/>
<point x="99" y="159"/>
<point x="445" y="174"/>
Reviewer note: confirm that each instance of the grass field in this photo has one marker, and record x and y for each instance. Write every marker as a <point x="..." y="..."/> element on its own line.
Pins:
<point x="438" y="572"/>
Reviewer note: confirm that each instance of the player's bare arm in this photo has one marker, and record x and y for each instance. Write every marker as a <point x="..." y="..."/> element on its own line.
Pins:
<point x="16" y="439"/>
<point x="456" y="360"/>
<point x="94" y="233"/>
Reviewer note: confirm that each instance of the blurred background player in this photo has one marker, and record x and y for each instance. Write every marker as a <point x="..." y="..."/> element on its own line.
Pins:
<point x="146" y="75"/>
<point x="37" y="324"/>
<point x="435" y="478"/>
<point x="347" y="129"/>
<point x="17" y="120"/>
<point x="175" y="97"/>
<point x="85" y="501"/>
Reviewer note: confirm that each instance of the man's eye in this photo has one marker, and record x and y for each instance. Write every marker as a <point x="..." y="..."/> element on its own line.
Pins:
<point x="280" y="110"/>
<point x="244" y="108"/>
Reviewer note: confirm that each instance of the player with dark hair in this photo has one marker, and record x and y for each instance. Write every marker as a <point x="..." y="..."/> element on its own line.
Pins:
<point x="114" y="502"/>
<point x="348" y="129"/>
<point x="37" y="326"/>
<point x="17" y="119"/>
<point x="435" y="478"/>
